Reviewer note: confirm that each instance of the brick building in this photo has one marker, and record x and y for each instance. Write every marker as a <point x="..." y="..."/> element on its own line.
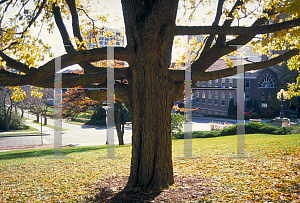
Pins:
<point x="212" y="97"/>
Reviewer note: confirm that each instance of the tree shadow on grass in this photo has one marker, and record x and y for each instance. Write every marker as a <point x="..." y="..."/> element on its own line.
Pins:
<point x="192" y="188"/>
<point x="135" y="195"/>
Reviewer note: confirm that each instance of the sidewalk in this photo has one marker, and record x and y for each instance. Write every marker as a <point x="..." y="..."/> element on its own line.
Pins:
<point x="31" y="124"/>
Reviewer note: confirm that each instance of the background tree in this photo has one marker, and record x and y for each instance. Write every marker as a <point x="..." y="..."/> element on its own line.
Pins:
<point x="6" y="105"/>
<point x="153" y="86"/>
<point x="75" y="102"/>
<point x="231" y="108"/>
<point x="8" y="98"/>
<point x="256" y="107"/>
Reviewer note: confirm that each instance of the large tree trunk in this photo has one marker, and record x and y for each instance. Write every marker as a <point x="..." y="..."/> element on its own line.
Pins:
<point x="151" y="164"/>
<point x="151" y="98"/>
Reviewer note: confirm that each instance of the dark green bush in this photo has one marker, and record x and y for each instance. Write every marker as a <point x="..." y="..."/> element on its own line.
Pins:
<point x="250" y="128"/>
<point x="96" y="122"/>
<point x="85" y="115"/>
<point x="228" y="131"/>
<point x="16" y="122"/>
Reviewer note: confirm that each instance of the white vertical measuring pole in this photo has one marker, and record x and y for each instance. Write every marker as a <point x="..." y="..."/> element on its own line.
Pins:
<point x="110" y="100"/>
<point x="187" y="128"/>
<point x="240" y="103"/>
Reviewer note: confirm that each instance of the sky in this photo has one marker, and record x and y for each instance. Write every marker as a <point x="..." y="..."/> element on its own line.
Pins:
<point x="114" y="9"/>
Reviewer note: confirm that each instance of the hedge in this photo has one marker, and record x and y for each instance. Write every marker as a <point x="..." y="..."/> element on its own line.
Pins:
<point x="250" y="128"/>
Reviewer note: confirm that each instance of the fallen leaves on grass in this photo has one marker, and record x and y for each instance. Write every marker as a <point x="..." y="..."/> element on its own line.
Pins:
<point x="271" y="175"/>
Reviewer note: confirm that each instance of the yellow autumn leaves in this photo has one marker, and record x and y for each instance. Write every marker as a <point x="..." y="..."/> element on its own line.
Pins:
<point x="271" y="174"/>
<point x="18" y="94"/>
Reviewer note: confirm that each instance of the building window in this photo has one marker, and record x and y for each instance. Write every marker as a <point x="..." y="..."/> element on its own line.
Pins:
<point x="203" y="84"/>
<point x="203" y="112"/>
<point x="216" y="113"/>
<point x="229" y="97"/>
<point x="216" y="98"/>
<point x="209" y="98"/>
<point x="223" y="82"/>
<point x="266" y="82"/>
<point x="263" y="98"/>
<point x="223" y="99"/>
<point x="209" y="83"/>
<point x="247" y="97"/>
<point x="216" y="82"/>
<point x="203" y="97"/>
<point x="209" y="112"/>
<point x="101" y="42"/>
<point x="230" y="83"/>
<point x="197" y="97"/>
<point x="222" y="114"/>
<point x="247" y="83"/>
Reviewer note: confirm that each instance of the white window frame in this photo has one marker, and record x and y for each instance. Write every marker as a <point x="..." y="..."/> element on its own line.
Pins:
<point x="203" y="98"/>
<point x="247" y="81"/>
<point x="216" y="99"/>
<point x="230" y="83"/>
<point x="223" y="98"/>
<point x="223" y="84"/>
<point x="209" y="98"/>
<point x="216" y="82"/>
<point x="209" y="83"/>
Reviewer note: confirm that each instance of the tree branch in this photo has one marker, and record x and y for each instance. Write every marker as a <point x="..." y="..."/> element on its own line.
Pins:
<point x="121" y="92"/>
<point x="178" y="75"/>
<point x="62" y="29"/>
<point x="220" y="49"/>
<point x="75" y="21"/>
<point x="35" y="17"/>
<point x="215" y="23"/>
<point x="253" y="30"/>
<point x="83" y="56"/>
<point x="12" y="63"/>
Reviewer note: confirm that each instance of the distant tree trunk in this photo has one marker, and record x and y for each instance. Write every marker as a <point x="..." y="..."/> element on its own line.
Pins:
<point x="120" y="121"/>
<point x="7" y="115"/>
<point x="37" y="116"/>
<point x="22" y="110"/>
<point x="6" y="122"/>
<point x="45" y="119"/>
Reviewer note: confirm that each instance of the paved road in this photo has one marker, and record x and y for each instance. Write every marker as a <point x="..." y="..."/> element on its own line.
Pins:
<point x="76" y="134"/>
<point x="80" y="135"/>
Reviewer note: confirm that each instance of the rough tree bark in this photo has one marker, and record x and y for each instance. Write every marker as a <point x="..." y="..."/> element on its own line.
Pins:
<point x="151" y="163"/>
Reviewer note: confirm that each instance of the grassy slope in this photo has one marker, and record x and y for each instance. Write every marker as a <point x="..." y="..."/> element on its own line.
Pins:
<point x="271" y="172"/>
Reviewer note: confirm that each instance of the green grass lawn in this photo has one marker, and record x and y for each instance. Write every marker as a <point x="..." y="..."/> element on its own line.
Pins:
<point x="272" y="173"/>
<point x="20" y="132"/>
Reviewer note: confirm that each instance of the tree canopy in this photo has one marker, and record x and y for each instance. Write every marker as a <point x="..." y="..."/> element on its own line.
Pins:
<point x="152" y="85"/>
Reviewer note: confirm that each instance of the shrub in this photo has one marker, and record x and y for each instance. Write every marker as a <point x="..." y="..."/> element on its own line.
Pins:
<point x="96" y="122"/>
<point x="250" y="128"/>
<point x="176" y="123"/>
<point x="16" y="122"/>
<point x="228" y="131"/>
